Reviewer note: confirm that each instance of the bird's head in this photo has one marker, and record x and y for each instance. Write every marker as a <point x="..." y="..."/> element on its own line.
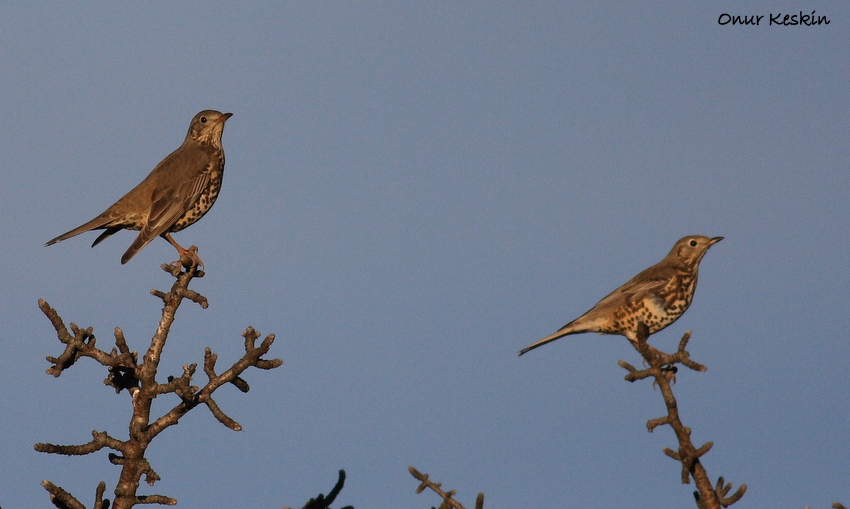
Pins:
<point x="690" y="250"/>
<point x="207" y="127"/>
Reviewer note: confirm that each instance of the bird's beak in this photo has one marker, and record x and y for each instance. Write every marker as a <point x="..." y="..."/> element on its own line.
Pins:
<point x="228" y="115"/>
<point x="714" y="241"/>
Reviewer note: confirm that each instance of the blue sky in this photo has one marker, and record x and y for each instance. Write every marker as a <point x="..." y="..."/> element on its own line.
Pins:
<point x="412" y="194"/>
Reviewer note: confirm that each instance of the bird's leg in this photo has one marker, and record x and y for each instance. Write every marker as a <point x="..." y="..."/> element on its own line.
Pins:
<point x="188" y="257"/>
<point x="647" y="351"/>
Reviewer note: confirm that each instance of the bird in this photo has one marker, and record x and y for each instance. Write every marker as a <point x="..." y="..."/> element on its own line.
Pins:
<point x="655" y="298"/>
<point x="176" y="194"/>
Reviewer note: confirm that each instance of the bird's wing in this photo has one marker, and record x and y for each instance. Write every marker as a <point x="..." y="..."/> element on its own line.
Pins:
<point x="649" y="282"/>
<point x="169" y="203"/>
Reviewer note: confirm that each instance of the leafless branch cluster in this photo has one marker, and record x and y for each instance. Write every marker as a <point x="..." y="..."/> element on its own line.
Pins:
<point x="662" y="367"/>
<point x="448" y="501"/>
<point x="139" y="379"/>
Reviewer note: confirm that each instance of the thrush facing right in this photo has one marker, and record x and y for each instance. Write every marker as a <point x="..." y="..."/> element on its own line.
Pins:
<point x="656" y="297"/>
<point x="176" y="194"/>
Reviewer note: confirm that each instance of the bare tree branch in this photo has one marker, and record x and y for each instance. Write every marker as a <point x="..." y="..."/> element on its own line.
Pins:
<point x="448" y="501"/>
<point x="139" y="379"/>
<point x="61" y="498"/>
<point x="99" y="441"/>
<point x="662" y="368"/>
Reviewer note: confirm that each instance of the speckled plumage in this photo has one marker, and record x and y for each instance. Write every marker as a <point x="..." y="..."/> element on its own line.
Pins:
<point x="657" y="297"/>
<point x="176" y="194"/>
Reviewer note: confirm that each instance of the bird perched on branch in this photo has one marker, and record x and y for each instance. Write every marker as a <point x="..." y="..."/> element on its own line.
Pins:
<point x="656" y="297"/>
<point x="176" y="194"/>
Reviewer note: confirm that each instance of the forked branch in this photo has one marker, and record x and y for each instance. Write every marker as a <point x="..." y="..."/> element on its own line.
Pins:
<point x="139" y="379"/>
<point x="662" y="368"/>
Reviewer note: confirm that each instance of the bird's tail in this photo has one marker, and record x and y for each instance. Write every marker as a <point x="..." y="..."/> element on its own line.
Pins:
<point x="566" y="330"/>
<point x="97" y="223"/>
<point x="547" y="339"/>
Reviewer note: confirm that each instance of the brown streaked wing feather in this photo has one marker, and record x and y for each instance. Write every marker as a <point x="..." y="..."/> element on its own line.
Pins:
<point x="169" y="205"/>
<point x="648" y="282"/>
<point x="150" y="232"/>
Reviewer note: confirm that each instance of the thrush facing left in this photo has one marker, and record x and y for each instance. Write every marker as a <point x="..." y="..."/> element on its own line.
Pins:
<point x="176" y="194"/>
<point x="656" y="297"/>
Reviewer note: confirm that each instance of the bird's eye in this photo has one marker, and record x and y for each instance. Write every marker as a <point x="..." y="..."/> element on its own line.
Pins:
<point x="203" y="120"/>
<point x="693" y="243"/>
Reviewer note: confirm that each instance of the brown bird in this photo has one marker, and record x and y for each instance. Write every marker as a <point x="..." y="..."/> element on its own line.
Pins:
<point x="176" y="194"/>
<point x="656" y="297"/>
